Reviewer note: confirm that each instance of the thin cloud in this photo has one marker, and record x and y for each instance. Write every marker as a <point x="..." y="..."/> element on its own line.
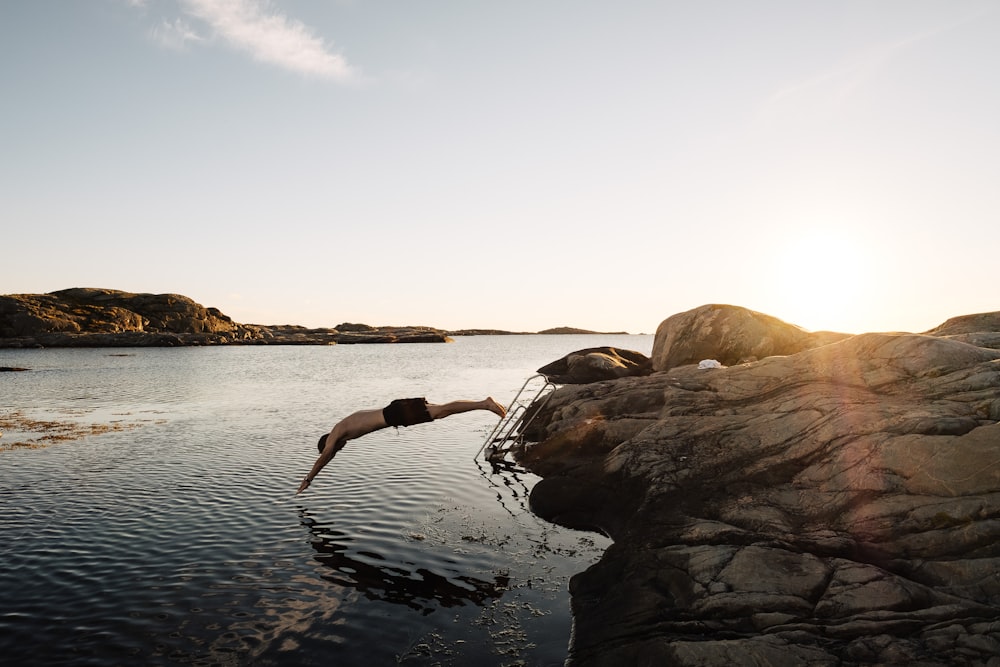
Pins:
<point x="175" y="35"/>
<point x="826" y="92"/>
<point x="271" y="37"/>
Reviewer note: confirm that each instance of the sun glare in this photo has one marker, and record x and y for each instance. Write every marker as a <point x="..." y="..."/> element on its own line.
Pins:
<point x="821" y="282"/>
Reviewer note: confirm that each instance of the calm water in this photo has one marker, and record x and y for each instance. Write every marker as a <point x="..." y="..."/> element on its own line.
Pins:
<point x="179" y="539"/>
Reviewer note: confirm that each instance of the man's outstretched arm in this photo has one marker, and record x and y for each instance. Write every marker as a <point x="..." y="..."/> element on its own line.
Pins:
<point x="332" y="447"/>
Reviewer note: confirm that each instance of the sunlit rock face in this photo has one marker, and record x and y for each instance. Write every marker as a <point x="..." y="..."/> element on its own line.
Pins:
<point x="835" y="505"/>
<point x="730" y="335"/>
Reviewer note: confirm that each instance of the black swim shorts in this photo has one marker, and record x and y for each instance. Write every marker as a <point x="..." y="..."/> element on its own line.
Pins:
<point x="406" y="412"/>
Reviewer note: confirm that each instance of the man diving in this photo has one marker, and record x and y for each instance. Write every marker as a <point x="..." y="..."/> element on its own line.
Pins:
<point x="401" y="412"/>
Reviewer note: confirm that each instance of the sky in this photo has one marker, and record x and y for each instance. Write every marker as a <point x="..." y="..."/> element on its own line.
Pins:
<point x="507" y="165"/>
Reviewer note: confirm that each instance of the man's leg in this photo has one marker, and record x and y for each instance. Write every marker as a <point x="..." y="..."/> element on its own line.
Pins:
<point x="455" y="407"/>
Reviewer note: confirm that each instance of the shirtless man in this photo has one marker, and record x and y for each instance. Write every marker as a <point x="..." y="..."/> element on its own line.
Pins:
<point x="401" y="412"/>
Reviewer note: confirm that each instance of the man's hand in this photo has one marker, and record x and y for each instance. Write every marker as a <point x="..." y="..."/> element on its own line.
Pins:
<point x="304" y="485"/>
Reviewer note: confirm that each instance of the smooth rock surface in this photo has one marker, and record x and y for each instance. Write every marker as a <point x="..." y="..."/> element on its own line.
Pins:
<point x="730" y="335"/>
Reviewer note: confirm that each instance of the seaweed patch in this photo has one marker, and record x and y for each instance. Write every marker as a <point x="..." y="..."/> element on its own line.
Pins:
<point x="21" y="431"/>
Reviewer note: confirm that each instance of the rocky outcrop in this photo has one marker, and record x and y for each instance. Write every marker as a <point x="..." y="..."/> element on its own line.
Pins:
<point x="838" y="505"/>
<point x="968" y="324"/>
<point x="87" y="317"/>
<point x="982" y="329"/>
<point x="72" y="315"/>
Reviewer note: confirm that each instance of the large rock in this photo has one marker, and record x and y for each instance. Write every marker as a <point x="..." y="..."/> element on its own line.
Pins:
<point x="835" y="506"/>
<point x="594" y="364"/>
<point x="730" y="335"/>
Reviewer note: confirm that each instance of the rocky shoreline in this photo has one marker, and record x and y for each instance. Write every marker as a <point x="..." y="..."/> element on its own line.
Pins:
<point x="89" y="317"/>
<point x="817" y="499"/>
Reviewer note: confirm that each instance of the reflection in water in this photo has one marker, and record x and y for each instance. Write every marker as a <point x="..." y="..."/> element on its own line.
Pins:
<point x="515" y="486"/>
<point x="418" y="588"/>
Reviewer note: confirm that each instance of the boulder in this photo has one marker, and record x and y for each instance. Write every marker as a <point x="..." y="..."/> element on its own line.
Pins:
<point x="839" y="505"/>
<point x="730" y="335"/>
<point x="594" y="364"/>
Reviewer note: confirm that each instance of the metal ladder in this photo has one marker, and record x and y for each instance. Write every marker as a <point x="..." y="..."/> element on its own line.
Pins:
<point x="509" y="431"/>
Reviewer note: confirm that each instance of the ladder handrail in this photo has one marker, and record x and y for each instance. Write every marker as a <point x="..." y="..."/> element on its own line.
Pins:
<point x="507" y="427"/>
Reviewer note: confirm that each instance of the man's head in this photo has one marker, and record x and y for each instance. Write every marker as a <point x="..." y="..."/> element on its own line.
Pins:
<point x="321" y="445"/>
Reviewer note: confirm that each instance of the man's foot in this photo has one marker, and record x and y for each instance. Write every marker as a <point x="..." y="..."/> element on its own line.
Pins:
<point x="495" y="407"/>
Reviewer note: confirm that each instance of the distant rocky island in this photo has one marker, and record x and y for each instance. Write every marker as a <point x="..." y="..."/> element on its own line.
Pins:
<point x="91" y="317"/>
